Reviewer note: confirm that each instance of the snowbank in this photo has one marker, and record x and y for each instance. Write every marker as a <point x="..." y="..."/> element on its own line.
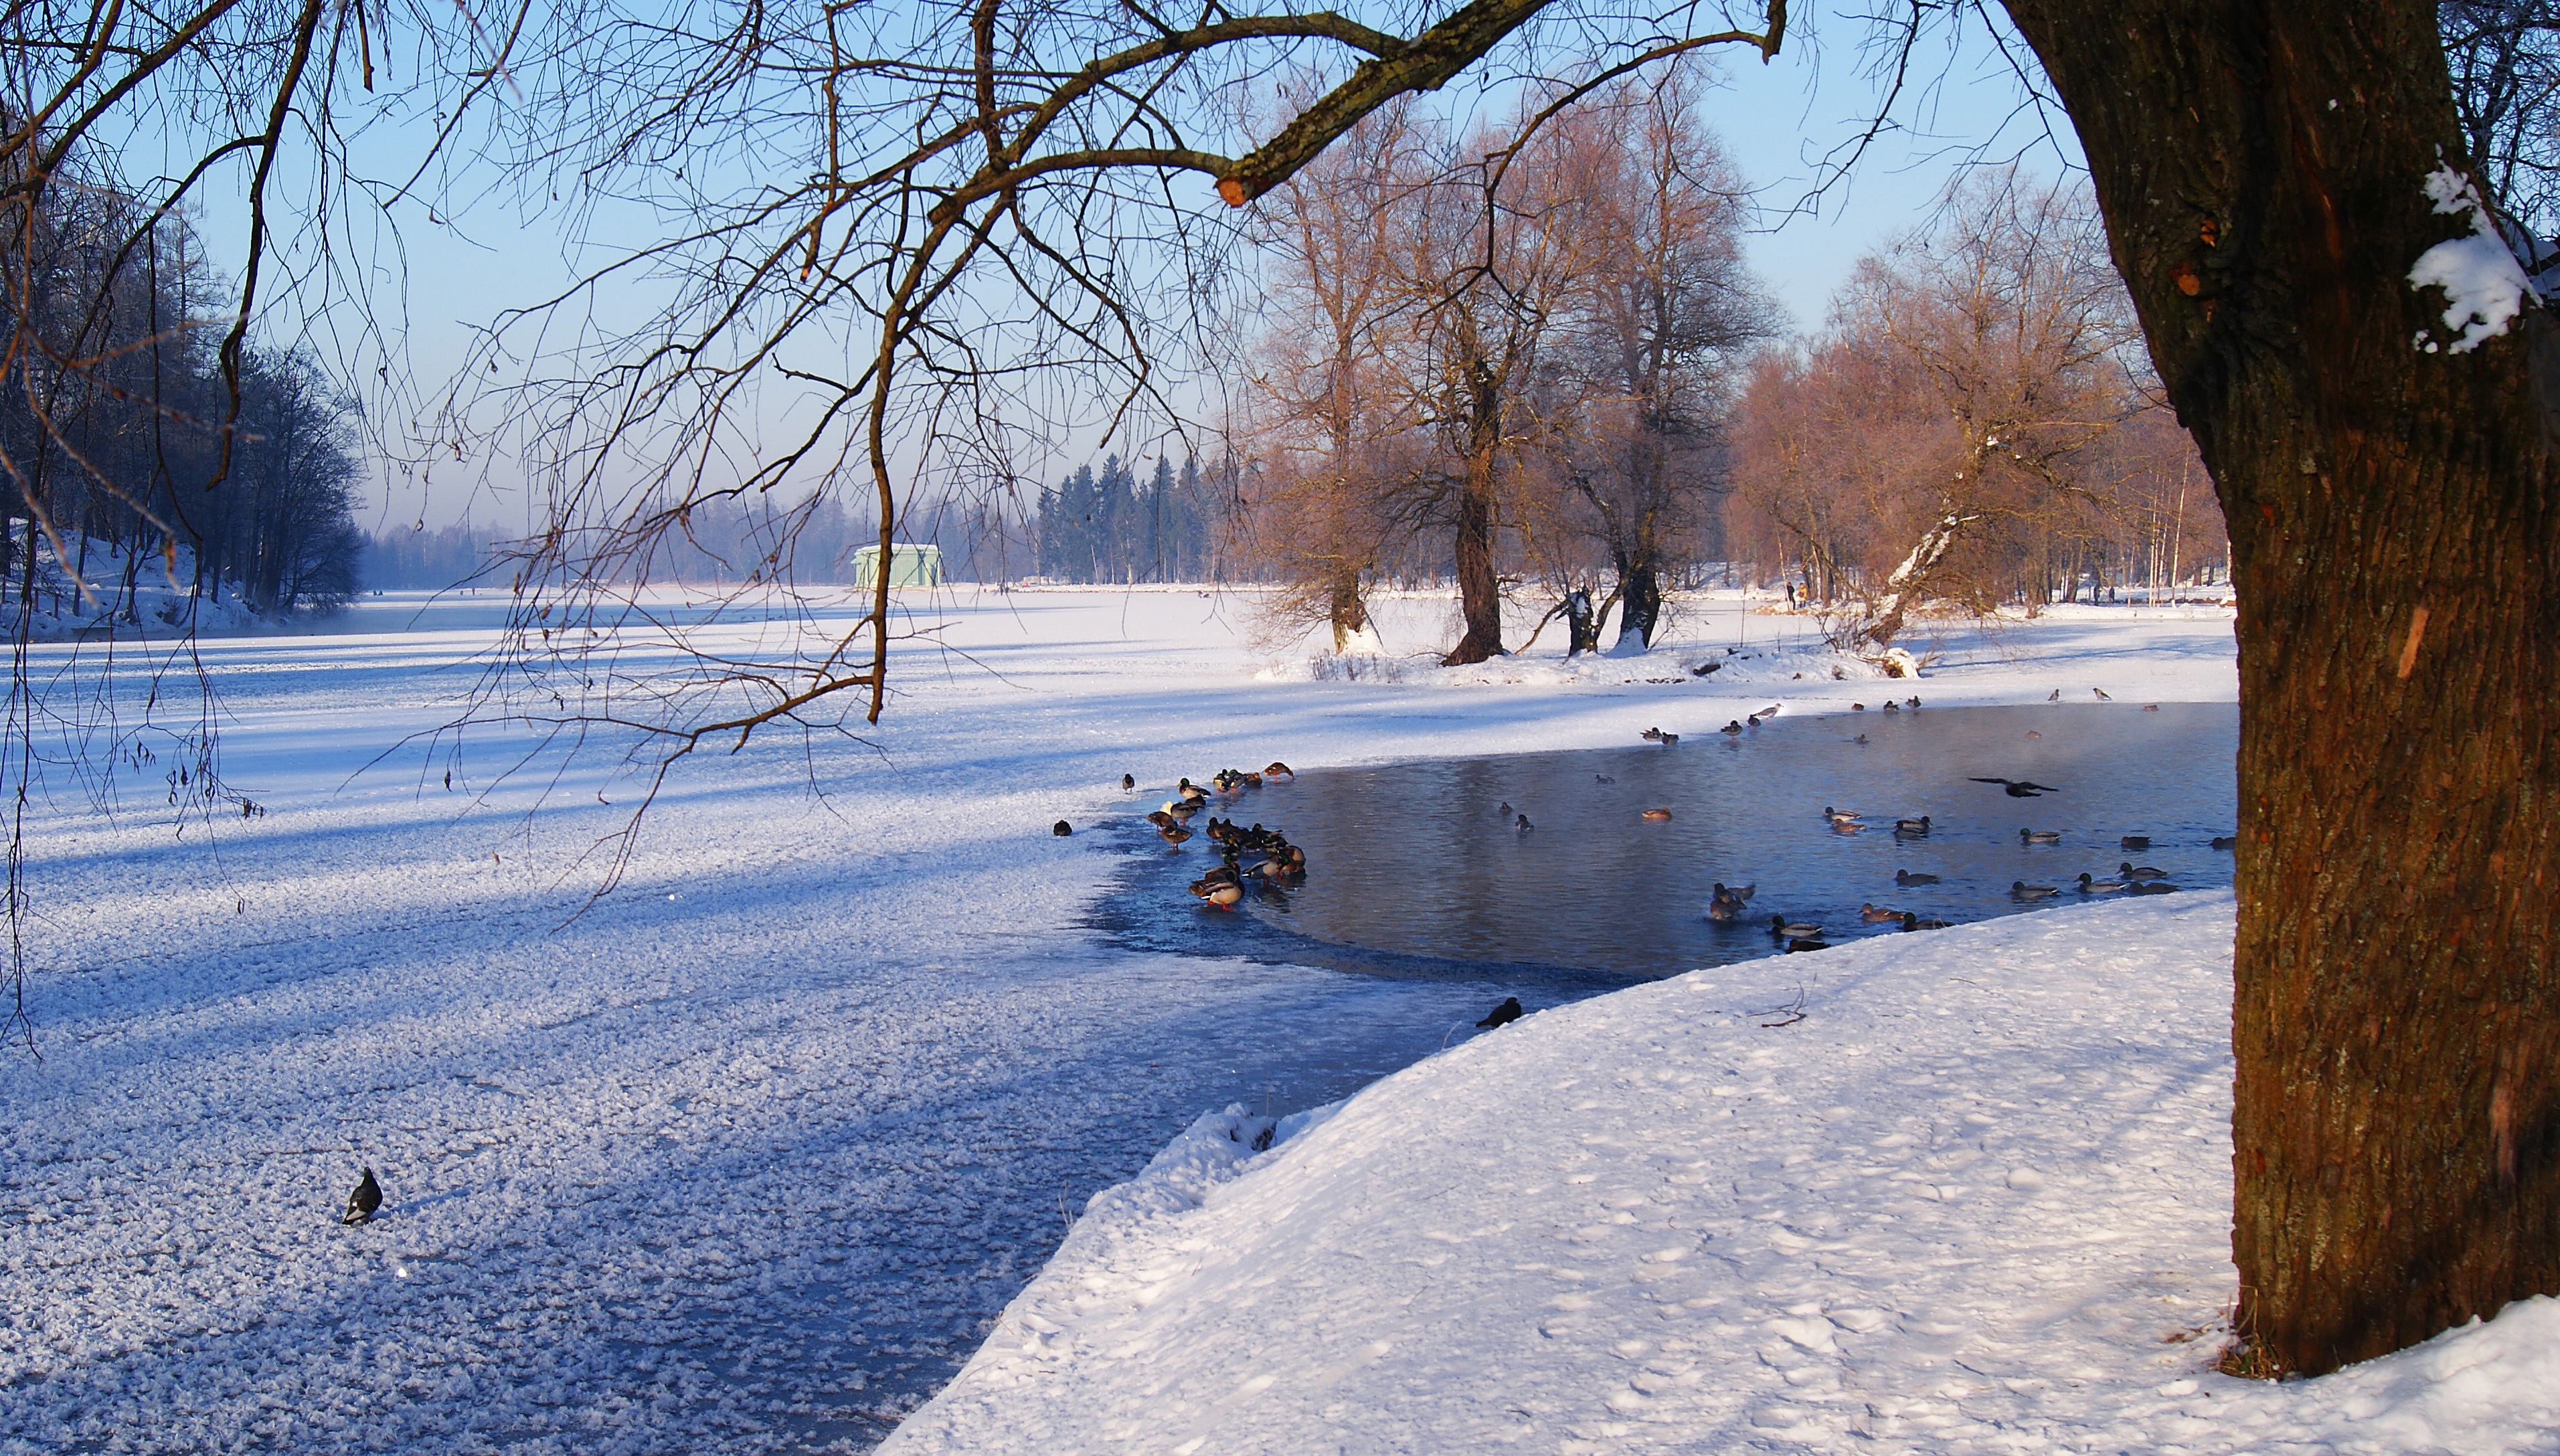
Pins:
<point x="1959" y="1191"/>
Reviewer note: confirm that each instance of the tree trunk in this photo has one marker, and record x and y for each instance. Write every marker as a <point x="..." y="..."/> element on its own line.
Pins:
<point x="1345" y="611"/>
<point x="1479" y="593"/>
<point x="1640" y="591"/>
<point x="2396" y="1125"/>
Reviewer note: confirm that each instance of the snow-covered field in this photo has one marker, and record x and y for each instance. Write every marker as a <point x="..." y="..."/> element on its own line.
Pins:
<point x="752" y="1153"/>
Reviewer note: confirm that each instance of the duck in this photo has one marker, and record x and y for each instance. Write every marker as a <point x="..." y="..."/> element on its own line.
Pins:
<point x="2226" y="841"/>
<point x="2020" y="890"/>
<point x="1651" y="735"/>
<point x="1837" y="815"/>
<point x="1796" y="943"/>
<point x="1892" y="706"/>
<point x="1911" y="878"/>
<point x="1912" y="701"/>
<point x="2090" y="886"/>
<point x="1162" y="820"/>
<point x="1505" y="809"/>
<point x="1185" y="808"/>
<point x="2032" y="733"/>
<point x="2135" y="842"/>
<point x="2018" y="788"/>
<point x="1725" y="904"/>
<point x="1061" y="829"/>
<point x="365" y="1201"/>
<point x="1128" y="783"/>
<point x="1222" y="896"/>
<point x="1912" y="828"/>
<point x="1733" y="726"/>
<point x="1670" y="740"/>
<point x="1173" y="834"/>
<point x="1857" y="708"/>
<point x="1523" y="826"/>
<point x="1786" y="930"/>
<point x="2152" y="887"/>
<point x="2131" y="871"/>
<point x="2040" y="836"/>
<point x="1658" y="815"/>
<point x="2101" y="694"/>
<point x="1501" y="1016"/>
<point x="2055" y="696"/>
<point x="1875" y="914"/>
<point x="1192" y="791"/>
<point x="1861" y="738"/>
<point x="1602" y="779"/>
<point x="1912" y="921"/>
<point x="2150" y="707"/>
<point x="1277" y="769"/>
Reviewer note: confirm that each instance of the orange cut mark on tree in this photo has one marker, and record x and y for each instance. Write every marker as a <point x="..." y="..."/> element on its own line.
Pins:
<point x="1232" y="190"/>
<point x="2187" y="282"/>
<point x="2409" y="649"/>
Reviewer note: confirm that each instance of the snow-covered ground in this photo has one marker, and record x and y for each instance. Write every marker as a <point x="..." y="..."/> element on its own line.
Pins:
<point x="751" y="1153"/>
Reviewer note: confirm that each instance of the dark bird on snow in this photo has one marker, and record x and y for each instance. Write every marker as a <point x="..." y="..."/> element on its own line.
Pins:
<point x="362" y="1203"/>
<point x="1733" y="726"/>
<point x="1651" y="735"/>
<point x="1128" y="783"/>
<point x="2056" y="696"/>
<point x="1913" y="702"/>
<point x="2226" y="842"/>
<point x="2101" y="694"/>
<point x="1892" y="706"/>
<point x="1670" y="740"/>
<point x="1906" y="876"/>
<point x="2040" y="836"/>
<point x="1857" y="708"/>
<point x="2018" y="788"/>
<point x="1061" y="829"/>
<point x="2135" y="842"/>
<point x="1503" y="1015"/>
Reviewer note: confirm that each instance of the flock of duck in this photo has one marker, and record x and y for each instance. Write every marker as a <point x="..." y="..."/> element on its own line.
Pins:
<point x="1250" y="858"/>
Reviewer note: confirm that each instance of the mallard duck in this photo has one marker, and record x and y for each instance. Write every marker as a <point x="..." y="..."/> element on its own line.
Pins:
<point x="1912" y="921"/>
<point x="1837" y="815"/>
<point x="1523" y="826"/>
<point x="2226" y="842"/>
<point x="2131" y="871"/>
<point x="1501" y="1016"/>
<point x="1912" y="828"/>
<point x="1602" y="779"/>
<point x="2032" y="733"/>
<point x="1909" y="877"/>
<point x="2056" y="696"/>
<point x="2089" y="885"/>
<point x="1162" y="820"/>
<point x="1875" y="914"/>
<point x="2101" y="694"/>
<point x="1657" y="814"/>
<point x="1128" y="783"/>
<point x="1786" y="930"/>
<point x="2020" y="890"/>
<point x="1651" y="735"/>
<point x="2040" y="836"/>
<point x="2018" y="788"/>
<point x="2135" y="842"/>
<point x="1061" y="829"/>
<point x="1733" y="726"/>
<point x="1806" y="942"/>
<point x="2150" y="707"/>
<point x="1223" y="896"/>
<point x="1892" y="706"/>
<point x="1191" y="792"/>
<point x="1912" y="703"/>
<point x="1670" y="740"/>
<point x="1857" y="708"/>
<point x="1725" y="906"/>
<point x="1277" y="769"/>
<point x="1173" y="834"/>
<point x="2152" y="887"/>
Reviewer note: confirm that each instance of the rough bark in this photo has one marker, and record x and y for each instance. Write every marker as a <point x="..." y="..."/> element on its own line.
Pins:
<point x="1344" y="609"/>
<point x="1639" y="599"/>
<point x="2397" y="1023"/>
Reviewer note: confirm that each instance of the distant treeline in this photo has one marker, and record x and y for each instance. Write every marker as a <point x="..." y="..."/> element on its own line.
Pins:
<point x="1106" y="527"/>
<point x="112" y="433"/>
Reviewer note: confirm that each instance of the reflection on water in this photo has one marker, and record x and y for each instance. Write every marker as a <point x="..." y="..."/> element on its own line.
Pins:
<point x="1417" y="862"/>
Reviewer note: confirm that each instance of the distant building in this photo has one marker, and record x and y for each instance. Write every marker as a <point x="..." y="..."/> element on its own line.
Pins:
<point x="908" y="565"/>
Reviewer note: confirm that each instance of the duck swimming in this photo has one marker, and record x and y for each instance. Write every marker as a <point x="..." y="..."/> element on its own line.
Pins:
<point x="2131" y="871"/>
<point x="2040" y="836"/>
<point x="1657" y="814"/>
<point x="2018" y="788"/>
<point x="1912" y="828"/>
<point x="1914" y="922"/>
<point x="2135" y="842"/>
<point x="1906" y="878"/>
<point x="1875" y="914"/>
<point x="2089" y="885"/>
<point x="2020" y="890"/>
<point x="1786" y="930"/>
